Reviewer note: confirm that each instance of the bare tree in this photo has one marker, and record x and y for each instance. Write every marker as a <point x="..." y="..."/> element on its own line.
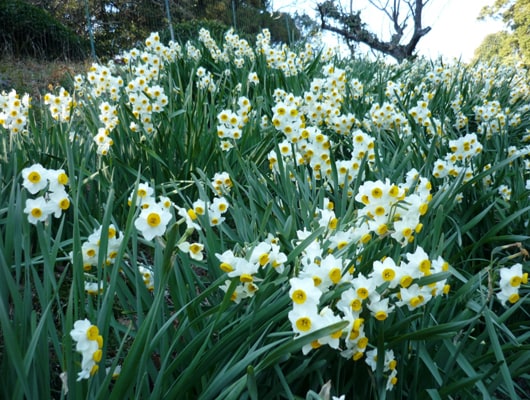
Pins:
<point x="350" y="26"/>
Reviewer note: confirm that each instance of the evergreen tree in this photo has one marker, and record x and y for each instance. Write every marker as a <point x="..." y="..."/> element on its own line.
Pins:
<point x="513" y="43"/>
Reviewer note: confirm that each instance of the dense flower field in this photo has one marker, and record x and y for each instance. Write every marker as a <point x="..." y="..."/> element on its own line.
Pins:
<point x="235" y="220"/>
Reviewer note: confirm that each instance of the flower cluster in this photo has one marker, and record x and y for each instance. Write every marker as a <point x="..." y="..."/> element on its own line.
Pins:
<point x="455" y="163"/>
<point x="387" y="116"/>
<point x="99" y="80"/>
<point x="234" y="48"/>
<point x="222" y="183"/>
<point x="214" y="210"/>
<point x="282" y="57"/>
<point x="394" y="209"/>
<point x="91" y="248"/>
<point x="389" y="366"/>
<point x="50" y="184"/>
<point x="14" y="111"/>
<point x="388" y="285"/>
<point x="147" y="276"/>
<point x="144" y="100"/>
<point x="230" y="124"/>
<point x="61" y="106"/>
<point x="206" y="80"/>
<point x="154" y="215"/>
<point x="89" y="343"/>
<point x="246" y="266"/>
<point x="510" y="282"/>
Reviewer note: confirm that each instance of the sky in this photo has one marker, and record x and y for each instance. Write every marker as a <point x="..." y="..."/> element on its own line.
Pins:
<point x="455" y="32"/>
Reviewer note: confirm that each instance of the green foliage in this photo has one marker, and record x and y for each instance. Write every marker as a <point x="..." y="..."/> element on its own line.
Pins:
<point x="122" y="24"/>
<point x="509" y="46"/>
<point x="177" y="323"/>
<point x="29" y="31"/>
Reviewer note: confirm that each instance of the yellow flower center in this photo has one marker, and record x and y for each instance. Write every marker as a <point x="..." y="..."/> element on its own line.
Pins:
<point x="336" y="335"/>
<point x="366" y="238"/>
<point x="246" y="278"/>
<point x="382" y="229"/>
<point x="335" y="275"/>
<point x="192" y="214"/>
<point x="153" y="220"/>
<point x="515" y="281"/>
<point x="62" y="178"/>
<point x="362" y="343"/>
<point x="415" y="301"/>
<point x="303" y="324"/>
<point x="34" y="177"/>
<point x="425" y="266"/>
<point x="92" y="332"/>
<point x="357" y="356"/>
<point x="377" y="193"/>
<point x="405" y="281"/>
<point x="393" y="191"/>
<point x="362" y="293"/>
<point x="406" y="232"/>
<point x="342" y="244"/>
<point x="195" y="248"/>
<point x="380" y="315"/>
<point x="299" y="296"/>
<point x="388" y="274"/>
<point x="36" y="212"/>
<point x="226" y="267"/>
<point x="356" y="305"/>
<point x="379" y="211"/>
<point x="64" y="204"/>
<point x="97" y="355"/>
<point x="263" y="259"/>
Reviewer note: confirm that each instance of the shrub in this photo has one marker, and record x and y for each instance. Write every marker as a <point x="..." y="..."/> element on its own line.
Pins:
<point x="30" y="31"/>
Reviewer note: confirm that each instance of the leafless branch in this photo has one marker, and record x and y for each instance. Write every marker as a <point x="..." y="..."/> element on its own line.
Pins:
<point x="351" y="27"/>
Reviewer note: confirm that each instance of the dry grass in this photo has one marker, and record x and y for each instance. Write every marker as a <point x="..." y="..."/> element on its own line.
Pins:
<point x="36" y="77"/>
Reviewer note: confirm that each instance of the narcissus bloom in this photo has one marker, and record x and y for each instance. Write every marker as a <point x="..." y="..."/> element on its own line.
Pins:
<point x="304" y="291"/>
<point x="153" y="221"/>
<point x="89" y="343"/>
<point x="510" y="282"/>
<point x="193" y="249"/>
<point x="37" y="210"/>
<point x="35" y="178"/>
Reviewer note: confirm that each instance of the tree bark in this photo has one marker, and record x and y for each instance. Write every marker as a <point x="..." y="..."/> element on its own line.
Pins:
<point x="351" y="27"/>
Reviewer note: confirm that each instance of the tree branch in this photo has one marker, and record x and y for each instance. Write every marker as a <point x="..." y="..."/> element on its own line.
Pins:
<point x="351" y="27"/>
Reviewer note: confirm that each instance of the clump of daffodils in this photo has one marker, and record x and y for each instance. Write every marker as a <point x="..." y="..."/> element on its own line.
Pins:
<point x="147" y="276"/>
<point x="89" y="343"/>
<point x="61" y="106"/>
<point x="389" y="366"/>
<point x="230" y="123"/>
<point x="455" y="163"/>
<point x="50" y="184"/>
<point x="510" y="283"/>
<point x="14" y="112"/>
<point x="246" y="264"/>
<point x="91" y="248"/>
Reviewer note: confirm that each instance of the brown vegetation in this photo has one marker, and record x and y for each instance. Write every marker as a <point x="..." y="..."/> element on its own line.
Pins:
<point x="34" y="76"/>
